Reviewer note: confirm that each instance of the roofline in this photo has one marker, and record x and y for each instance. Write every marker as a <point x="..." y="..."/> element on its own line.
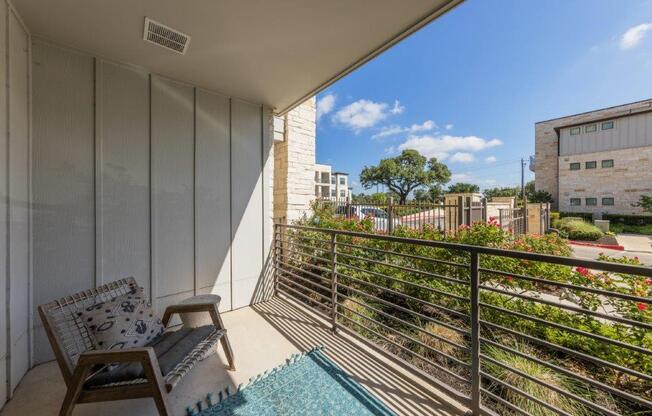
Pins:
<point x="404" y="33"/>
<point x="340" y="173"/>
<point x="593" y="111"/>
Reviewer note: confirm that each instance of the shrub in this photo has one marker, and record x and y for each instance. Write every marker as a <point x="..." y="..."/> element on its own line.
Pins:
<point x="628" y="219"/>
<point x="554" y="219"/>
<point x="577" y="229"/>
<point x="633" y="229"/>
<point x="588" y="216"/>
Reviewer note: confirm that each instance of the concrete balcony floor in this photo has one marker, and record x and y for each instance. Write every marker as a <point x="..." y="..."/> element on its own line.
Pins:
<point x="262" y="337"/>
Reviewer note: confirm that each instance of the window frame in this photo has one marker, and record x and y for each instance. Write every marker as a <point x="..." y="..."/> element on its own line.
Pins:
<point x="574" y="131"/>
<point x="579" y="202"/>
<point x="609" y="123"/>
<point x="592" y="199"/>
<point x="613" y="201"/>
<point x="578" y="164"/>
<point x="594" y="166"/>
<point x="602" y="164"/>
<point x="593" y="126"/>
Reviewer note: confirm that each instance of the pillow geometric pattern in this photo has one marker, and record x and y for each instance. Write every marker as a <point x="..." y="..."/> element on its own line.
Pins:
<point x="125" y="321"/>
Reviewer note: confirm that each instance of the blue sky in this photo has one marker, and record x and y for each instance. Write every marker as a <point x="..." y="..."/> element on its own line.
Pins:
<point x="469" y="87"/>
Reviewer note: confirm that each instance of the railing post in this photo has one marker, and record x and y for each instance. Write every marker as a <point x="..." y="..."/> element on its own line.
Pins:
<point x="460" y="211"/>
<point x="390" y="216"/>
<point x="475" y="333"/>
<point x="277" y="231"/>
<point x="485" y="217"/>
<point x="334" y="282"/>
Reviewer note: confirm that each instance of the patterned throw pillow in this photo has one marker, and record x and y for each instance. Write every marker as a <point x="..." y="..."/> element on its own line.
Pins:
<point x="126" y="321"/>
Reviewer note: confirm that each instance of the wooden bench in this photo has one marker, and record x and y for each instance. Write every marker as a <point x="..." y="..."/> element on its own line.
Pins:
<point x="79" y="360"/>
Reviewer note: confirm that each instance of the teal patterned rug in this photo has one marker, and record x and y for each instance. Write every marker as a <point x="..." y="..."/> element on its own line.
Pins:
<point x="308" y="384"/>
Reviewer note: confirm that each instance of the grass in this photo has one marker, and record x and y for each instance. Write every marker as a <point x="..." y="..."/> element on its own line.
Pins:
<point x="633" y="229"/>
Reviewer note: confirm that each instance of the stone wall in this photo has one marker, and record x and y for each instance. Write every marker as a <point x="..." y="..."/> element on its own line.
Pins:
<point x="294" y="163"/>
<point x="626" y="181"/>
<point x="547" y="144"/>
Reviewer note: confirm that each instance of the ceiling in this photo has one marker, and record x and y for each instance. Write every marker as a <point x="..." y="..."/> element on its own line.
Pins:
<point x="276" y="53"/>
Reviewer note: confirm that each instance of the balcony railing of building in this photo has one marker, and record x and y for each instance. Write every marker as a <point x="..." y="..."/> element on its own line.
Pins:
<point x="482" y="323"/>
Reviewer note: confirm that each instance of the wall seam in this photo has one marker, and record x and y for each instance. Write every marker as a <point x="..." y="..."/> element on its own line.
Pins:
<point x="231" y="201"/>
<point x="7" y="214"/>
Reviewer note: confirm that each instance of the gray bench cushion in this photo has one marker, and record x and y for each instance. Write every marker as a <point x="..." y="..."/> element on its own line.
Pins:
<point x="170" y="349"/>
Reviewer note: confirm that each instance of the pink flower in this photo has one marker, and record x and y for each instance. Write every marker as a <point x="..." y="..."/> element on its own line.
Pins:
<point x="641" y="306"/>
<point x="582" y="270"/>
<point x="510" y="278"/>
<point x="648" y="281"/>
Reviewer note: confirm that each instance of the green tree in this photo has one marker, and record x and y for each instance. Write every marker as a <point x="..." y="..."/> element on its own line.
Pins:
<point x="646" y="203"/>
<point x="433" y="194"/>
<point x="405" y="173"/>
<point x="463" y="188"/>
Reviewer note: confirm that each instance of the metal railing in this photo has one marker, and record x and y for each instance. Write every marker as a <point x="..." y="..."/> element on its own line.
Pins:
<point x="473" y="320"/>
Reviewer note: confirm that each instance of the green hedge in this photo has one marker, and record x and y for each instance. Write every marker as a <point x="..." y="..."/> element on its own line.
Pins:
<point x="629" y="219"/>
<point x="588" y="216"/>
<point x="578" y="229"/>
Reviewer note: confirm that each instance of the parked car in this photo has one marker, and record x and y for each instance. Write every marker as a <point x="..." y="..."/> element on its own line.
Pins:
<point x="379" y="215"/>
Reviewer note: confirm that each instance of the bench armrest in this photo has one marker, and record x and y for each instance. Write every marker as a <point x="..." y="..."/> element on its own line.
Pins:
<point x="210" y="307"/>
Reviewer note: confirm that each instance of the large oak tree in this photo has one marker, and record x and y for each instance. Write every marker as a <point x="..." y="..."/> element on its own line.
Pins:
<point x="405" y="173"/>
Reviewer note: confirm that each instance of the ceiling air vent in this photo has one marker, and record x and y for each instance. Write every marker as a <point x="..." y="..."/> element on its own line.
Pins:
<point x="165" y="36"/>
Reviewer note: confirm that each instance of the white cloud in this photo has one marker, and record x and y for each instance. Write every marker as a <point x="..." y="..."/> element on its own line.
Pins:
<point x="634" y="35"/>
<point x="448" y="127"/>
<point x="442" y="146"/>
<point x="362" y="114"/>
<point x="459" y="177"/>
<point x="462" y="157"/>
<point x="396" y="129"/>
<point x="398" y="108"/>
<point x="325" y="105"/>
<point x="490" y="159"/>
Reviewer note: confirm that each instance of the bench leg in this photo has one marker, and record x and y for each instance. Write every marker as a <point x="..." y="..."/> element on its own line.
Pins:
<point x="159" y="393"/>
<point x="217" y="321"/>
<point x="74" y="389"/>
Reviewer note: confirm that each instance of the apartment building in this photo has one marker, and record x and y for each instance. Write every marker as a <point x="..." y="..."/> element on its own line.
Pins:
<point x="329" y="184"/>
<point x="599" y="161"/>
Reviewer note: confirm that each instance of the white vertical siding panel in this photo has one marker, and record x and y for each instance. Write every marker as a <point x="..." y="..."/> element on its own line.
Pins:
<point x="212" y="196"/>
<point x="123" y="174"/>
<point x="19" y="293"/>
<point x="172" y="188"/>
<point x="3" y="204"/>
<point x="63" y="186"/>
<point x="247" y="204"/>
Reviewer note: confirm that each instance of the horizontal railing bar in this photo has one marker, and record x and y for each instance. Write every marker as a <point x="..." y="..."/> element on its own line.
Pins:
<point x="525" y="394"/>
<point x="405" y="269"/>
<point x="318" y="311"/>
<point x="504" y="402"/>
<point x="314" y="266"/>
<point x="317" y="240"/>
<point x="594" y="383"/>
<point x="296" y="276"/>
<point x="306" y="297"/>
<point x="303" y="246"/>
<point x="309" y="273"/>
<point x="402" y="309"/>
<point x="570" y="286"/>
<point x="418" y="328"/>
<point x="570" y="308"/>
<point x="569" y="351"/>
<point x="569" y="329"/>
<point x="415" y="354"/>
<point x="522" y="255"/>
<point x="286" y="280"/>
<point x="308" y="255"/>
<point x="403" y="295"/>
<point x="547" y="385"/>
<point x="384" y="276"/>
<point x="412" y="256"/>
<point x="389" y="328"/>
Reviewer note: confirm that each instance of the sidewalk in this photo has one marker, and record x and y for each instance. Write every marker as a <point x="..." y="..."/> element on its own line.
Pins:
<point x="635" y="242"/>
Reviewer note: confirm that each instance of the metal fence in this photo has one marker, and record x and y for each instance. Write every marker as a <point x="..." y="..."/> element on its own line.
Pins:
<point x="498" y="339"/>
<point x="388" y="216"/>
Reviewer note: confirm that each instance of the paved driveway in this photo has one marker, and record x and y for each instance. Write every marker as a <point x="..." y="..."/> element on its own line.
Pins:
<point x="591" y="253"/>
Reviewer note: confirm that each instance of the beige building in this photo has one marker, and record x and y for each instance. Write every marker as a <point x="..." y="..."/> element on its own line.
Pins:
<point x="597" y="162"/>
<point x="329" y="184"/>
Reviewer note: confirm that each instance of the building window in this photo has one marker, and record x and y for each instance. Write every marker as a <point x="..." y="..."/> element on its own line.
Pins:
<point x="333" y="180"/>
<point x="575" y="166"/>
<point x="591" y="164"/>
<point x="342" y="181"/>
<point x="607" y="125"/>
<point x="575" y="131"/>
<point x="607" y="201"/>
<point x="590" y="128"/>
<point x="591" y="202"/>
<point x="609" y="163"/>
<point x="343" y="194"/>
<point x="575" y="202"/>
<point x="333" y="193"/>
